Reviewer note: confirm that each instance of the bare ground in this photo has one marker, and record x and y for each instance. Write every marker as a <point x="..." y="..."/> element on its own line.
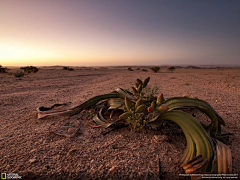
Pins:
<point x="29" y="149"/>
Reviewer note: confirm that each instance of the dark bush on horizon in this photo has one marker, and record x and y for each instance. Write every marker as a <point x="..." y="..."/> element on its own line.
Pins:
<point x="130" y="69"/>
<point x="155" y="69"/>
<point x="67" y="68"/>
<point x="171" y="68"/>
<point x="2" y="70"/>
<point x="29" y="69"/>
<point x="19" y="74"/>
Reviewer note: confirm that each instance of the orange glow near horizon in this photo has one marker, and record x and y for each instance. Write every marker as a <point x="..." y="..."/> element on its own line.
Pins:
<point x="90" y="53"/>
<point x="15" y="55"/>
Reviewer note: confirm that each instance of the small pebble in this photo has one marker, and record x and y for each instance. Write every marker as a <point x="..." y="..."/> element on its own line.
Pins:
<point x="32" y="160"/>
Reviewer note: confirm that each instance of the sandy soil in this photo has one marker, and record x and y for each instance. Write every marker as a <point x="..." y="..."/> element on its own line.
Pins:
<point x="29" y="149"/>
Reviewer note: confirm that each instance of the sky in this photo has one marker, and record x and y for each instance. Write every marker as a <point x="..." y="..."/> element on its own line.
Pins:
<point x="119" y="32"/>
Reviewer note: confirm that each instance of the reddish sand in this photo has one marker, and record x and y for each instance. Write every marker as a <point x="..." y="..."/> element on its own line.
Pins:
<point x="27" y="147"/>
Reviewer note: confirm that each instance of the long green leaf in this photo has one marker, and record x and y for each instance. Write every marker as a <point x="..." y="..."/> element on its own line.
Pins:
<point x="119" y="93"/>
<point x="224" y="158"/>
<point x="100" y="120"/>
<point x="116" y="103"/>
<point x="192" y="127"/>
<point x="193" y="102"/>
<point x="217" y="121"/>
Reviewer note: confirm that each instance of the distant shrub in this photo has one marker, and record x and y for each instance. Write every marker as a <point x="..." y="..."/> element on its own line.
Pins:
<point x="67" y="68"/>
<point x="155" y="69"/>
<point x="171" y="68"/>
<point x="19" y="74"/>
<point x="144" y="70"/>
<point x="130" y="69"/>
<point x="29" y="69"/>
<point x="138" y="69"/>
<point x="2" y="70"/>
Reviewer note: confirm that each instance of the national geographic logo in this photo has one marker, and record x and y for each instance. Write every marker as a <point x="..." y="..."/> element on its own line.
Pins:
<point x="3" y="176"/>
<point x="10" y="176"/>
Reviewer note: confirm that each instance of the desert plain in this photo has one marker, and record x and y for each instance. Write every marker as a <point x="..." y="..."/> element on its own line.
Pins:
<point x="29" y="148"/>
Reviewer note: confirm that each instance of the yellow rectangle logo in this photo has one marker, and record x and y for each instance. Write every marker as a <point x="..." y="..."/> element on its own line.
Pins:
<point x="3" y="176"/>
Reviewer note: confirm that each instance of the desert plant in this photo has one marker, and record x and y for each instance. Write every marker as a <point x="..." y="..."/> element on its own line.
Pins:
<point x="130" y="69"/>
<point x="149" y="93"/>
<point x="138" y="110"/>
<point x="2" y="70"/>
<point x="68" y="68"/>
<point x="19" y="74"/>
<point x="144" y="70"/>
<point x="155" y="69"/>
<point x="171" y="68"/>
<point x="29" y="69"/>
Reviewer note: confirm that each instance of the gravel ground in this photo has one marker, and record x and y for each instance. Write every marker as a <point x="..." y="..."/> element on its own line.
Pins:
<point x="29" y="149"/>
